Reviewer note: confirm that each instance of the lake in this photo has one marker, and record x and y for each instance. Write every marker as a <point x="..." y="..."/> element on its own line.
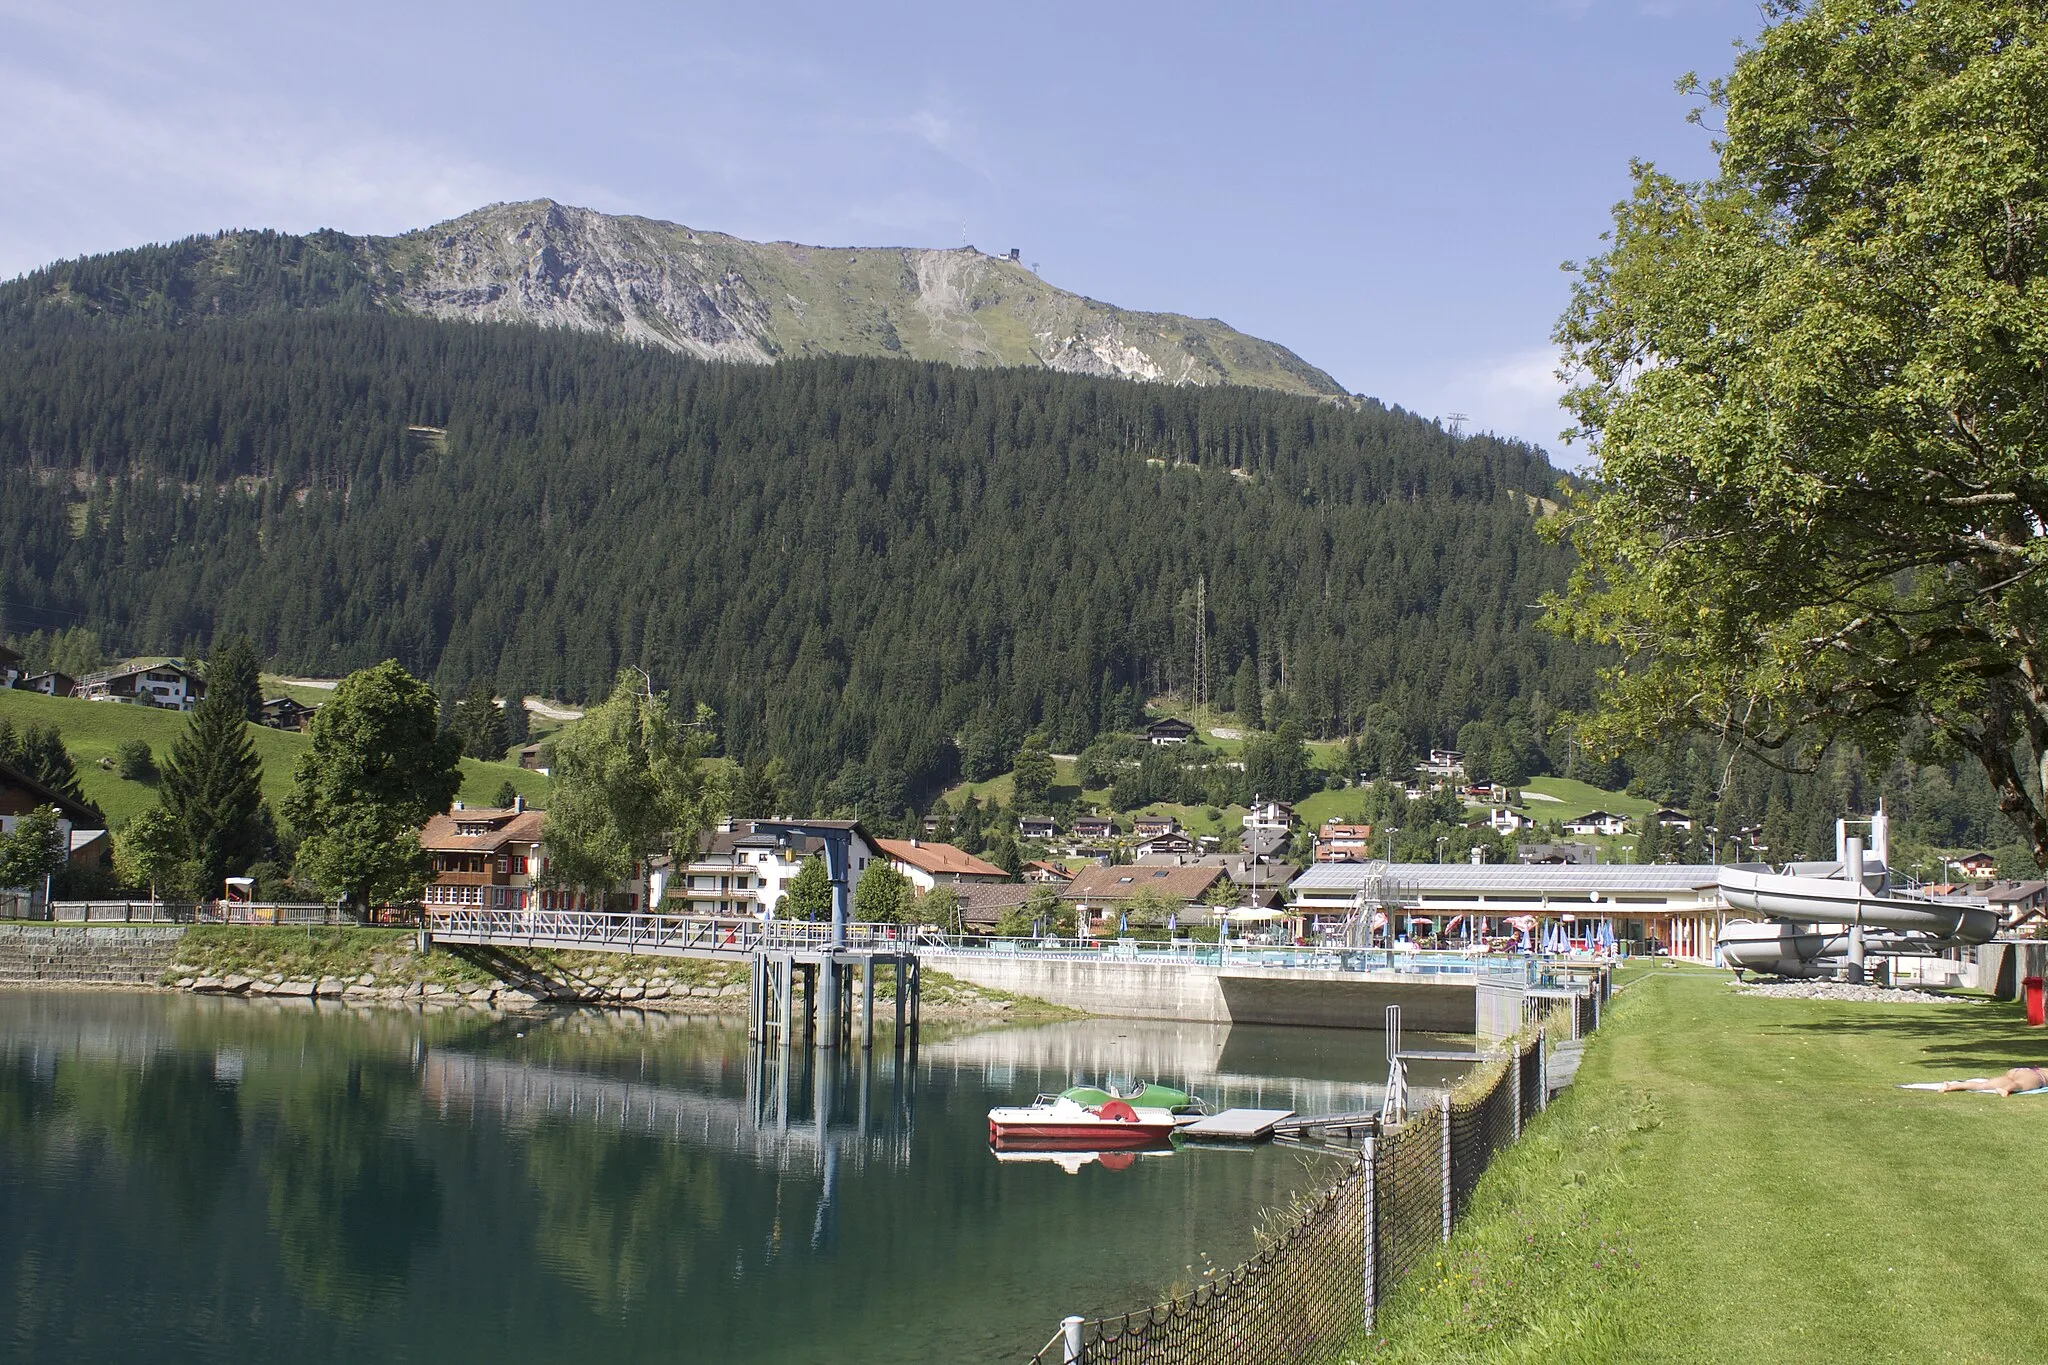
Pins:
<point x="231" y="1180"/>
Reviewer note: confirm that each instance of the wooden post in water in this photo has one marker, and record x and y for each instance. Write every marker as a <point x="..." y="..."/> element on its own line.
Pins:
<point x="896" y="974"/>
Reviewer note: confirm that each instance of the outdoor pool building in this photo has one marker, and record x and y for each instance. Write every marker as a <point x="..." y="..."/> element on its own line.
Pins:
<point x="1678" y="907"/>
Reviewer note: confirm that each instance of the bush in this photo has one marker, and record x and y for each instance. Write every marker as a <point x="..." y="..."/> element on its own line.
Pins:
<point x="134" y="761"/>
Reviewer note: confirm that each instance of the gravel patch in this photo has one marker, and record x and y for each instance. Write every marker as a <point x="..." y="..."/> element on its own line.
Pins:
<point x="1778" y="988"/>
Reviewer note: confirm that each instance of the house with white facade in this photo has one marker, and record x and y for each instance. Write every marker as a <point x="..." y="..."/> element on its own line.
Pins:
<point x="168" y="686"/>
<point x="1597" y="822"/>
<point x="928" y="865"/>
<point x="746" y="868"/>
<point x="1267" y="814"/>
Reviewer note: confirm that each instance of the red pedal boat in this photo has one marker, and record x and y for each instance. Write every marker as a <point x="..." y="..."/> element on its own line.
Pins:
<point x="1056" y="1123"/>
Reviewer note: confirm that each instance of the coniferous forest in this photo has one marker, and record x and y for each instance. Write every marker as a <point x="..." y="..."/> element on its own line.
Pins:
<point x="858" y="564"/>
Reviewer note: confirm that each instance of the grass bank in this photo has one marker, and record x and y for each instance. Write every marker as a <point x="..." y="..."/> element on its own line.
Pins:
<point x="1734" y="1178"/>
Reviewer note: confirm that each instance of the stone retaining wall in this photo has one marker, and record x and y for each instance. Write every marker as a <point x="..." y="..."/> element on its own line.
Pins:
<point x="86" y="954"/>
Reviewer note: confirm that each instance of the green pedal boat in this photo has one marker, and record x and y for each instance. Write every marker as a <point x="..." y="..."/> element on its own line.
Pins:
<point x="1147" y="1095"/>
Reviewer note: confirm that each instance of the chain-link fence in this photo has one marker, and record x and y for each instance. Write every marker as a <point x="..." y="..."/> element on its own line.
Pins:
<point x="1319" y="1282"/>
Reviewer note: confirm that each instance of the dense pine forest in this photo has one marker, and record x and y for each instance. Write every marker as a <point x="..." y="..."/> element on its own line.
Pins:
<point x="856" y="563"/>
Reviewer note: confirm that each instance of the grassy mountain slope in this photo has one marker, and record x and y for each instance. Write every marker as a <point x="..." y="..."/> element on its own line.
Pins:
<point x="700" y="293"/>
<point x="93" y="731"/>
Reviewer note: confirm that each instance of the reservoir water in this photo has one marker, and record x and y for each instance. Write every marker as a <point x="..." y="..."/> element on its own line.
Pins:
<point x="190" y="1179"/>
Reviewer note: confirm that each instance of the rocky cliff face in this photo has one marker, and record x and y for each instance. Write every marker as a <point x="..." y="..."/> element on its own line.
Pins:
<point x="719" y="297"/>
<point x="662" y="284"/>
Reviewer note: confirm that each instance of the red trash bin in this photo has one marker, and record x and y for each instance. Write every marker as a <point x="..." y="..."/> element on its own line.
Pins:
<point x="2037" y="1007"/>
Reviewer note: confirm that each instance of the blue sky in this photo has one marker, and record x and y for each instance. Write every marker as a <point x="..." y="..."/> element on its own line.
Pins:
<point x="1386" y="188"/>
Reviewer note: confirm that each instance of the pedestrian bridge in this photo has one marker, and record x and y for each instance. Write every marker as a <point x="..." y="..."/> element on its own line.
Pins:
<point x="733" y="938"/>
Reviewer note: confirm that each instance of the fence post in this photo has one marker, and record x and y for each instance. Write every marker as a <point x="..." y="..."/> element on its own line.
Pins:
<point x="1515" y="1084"/>
<point x="1070" y="1332"/>
<point x="1444" y="1112"/>
<point x="1371" y="1194"/>
<point x="1542" y="1071"/>
<point x="1596" y="1011"/>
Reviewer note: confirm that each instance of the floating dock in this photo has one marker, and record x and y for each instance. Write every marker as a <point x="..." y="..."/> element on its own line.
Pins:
<point x="1238" y="1125"/>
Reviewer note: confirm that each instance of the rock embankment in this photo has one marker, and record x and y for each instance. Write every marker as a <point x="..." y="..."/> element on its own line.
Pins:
<point x="657" y="992"/>
<point x="1779" y="988"/>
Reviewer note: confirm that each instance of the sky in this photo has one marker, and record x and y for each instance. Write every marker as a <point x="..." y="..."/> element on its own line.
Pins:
<point x="1387" y="189"/>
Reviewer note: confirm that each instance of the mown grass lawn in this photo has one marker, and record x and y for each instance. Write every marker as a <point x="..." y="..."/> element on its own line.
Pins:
<point x="1739" y="1179"/>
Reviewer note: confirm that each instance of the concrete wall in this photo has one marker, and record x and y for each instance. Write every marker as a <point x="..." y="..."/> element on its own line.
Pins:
<point x="1241" y="995"/>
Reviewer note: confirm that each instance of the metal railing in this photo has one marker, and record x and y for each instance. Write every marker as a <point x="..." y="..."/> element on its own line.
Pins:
<point x="1517" y="969"/>
<point x="640" y="932"/>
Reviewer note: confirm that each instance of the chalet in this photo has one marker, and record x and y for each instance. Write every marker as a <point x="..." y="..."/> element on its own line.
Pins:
<point x="1151" y="826"/>
<point x="1261" y="843"/>
<point x="1048" y="874"/>
<point x="1978" y="864"/>
<point x="51" y="684"/>
<point x="1169" y="730"/>
<point x="169" y="686"/>
<point x="1100" y="894"/>
<point x="1040" y="827"/>
<point x="1095" y="853"/>
<point x="1557" y="855"/>
<point x="1667" y="818"/>
<point x="1095" y="827"/>
<point x="1444" y="763"/>
<point x="930" y="825"/>
<point x="533" y="758"/>
<point x="1507" y="820"/>
<point x="929" y="865"/>
<point x="286" y="713"/>
<point x="1269" y="814"/>
<point x="1337" y="842"/>
<point x="10" y="667"/>
<point x="1597" y="822"/>
<point x="1170" y="845"/>
<point x="82" y="827"/>
<point x="490" y="858"/>
<point x="2017" y="903"/>
<point x="983" y="904"/>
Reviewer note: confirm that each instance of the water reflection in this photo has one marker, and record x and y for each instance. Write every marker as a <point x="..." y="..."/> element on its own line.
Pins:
<point x="212" y="1179"/>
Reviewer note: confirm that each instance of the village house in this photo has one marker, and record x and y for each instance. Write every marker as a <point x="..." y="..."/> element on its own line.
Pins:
<point x="1047" y="874"/>
<point x="930" y="865"/>
<point x="1267" y="814"/>
<point x="490" y="858"/>
<point x="1668" y="818"/>
<point x="1557" y="855"/>
<point x="746" y="867"/>
<point x="1169" y="730"/>
<point x="1337" y="842"/>
<point x="10" y="667"/>
<point x="80" y="826"/>
<point x="1447" y="764"/>
<point x="51" y="684"/>
<point x="169" y="686"/>
<point x="1507" y="820"/>
<point x="1597" y="822"/>
<point x="2018" y="904"/>
<point x="286" y="713"/>
<point x="1100" y="895"/>
<point x="1978" y="864"/>
<point x="983" y="904"/>
<point x="1172" y="844"/>
<point x="1151" y="826"/>
<point x="1092" y="828"/>
<point x="1038" y="827"/>
<point x="533" y="759"/>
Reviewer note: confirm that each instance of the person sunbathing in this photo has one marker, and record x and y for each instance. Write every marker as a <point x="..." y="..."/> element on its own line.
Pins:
<point x="2011" y="1083"/>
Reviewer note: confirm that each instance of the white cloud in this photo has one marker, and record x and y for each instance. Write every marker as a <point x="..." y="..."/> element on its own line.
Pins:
<point x="1515" y="394"/>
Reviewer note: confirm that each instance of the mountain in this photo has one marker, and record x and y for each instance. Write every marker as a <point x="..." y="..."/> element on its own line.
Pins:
<point x="702" y="294"/>
<point x="870" y="568"/>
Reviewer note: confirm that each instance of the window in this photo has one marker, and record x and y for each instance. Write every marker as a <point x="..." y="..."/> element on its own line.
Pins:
<point x="519" y="865"/>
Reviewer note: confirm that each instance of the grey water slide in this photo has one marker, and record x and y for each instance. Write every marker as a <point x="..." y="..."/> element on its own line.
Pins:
<point x="1818" y="918"/>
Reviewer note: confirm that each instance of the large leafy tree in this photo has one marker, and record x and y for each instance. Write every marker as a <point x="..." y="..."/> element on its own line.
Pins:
<point x="212" y="783"/>
<point x="32" y="850"/>
<point x="377" y="768"/>
<point x="627" y="781"/>
<point x="150" y="851"/>
<point x="810" y="892"/>
<point x="883" y="895"/>
<point x="1814" y="384"/>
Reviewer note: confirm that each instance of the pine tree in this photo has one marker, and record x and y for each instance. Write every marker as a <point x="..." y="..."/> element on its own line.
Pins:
<point x="231" y="674"/>
<point x="211" y="785"/>
<point x="480" y="724"/>
<point x="1251" y="713"/>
